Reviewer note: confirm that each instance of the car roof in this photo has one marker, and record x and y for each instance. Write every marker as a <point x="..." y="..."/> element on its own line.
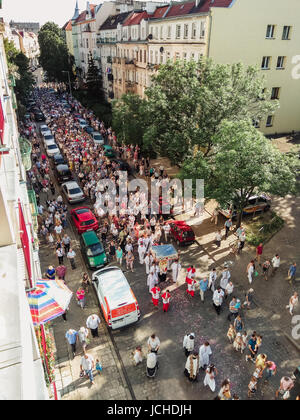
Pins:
<point x="62" y="167"/>
<point x="90" y="238"/>
<point x="115" y="286"/>
<point x="71" y="184"/>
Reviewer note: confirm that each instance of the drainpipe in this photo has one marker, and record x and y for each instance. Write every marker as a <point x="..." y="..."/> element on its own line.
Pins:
<point x="209" y="36"/>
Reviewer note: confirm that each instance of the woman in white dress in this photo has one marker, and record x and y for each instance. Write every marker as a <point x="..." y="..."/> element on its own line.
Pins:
<point x="209" y="379"/>
<point x="204" y="353"/>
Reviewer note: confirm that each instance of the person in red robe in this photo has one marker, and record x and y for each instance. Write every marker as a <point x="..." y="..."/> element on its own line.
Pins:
<point x="155" y="291"/>
<point x="191" y="287"/>
<point x="190" y="274"/>
<point x="166" y="300"/>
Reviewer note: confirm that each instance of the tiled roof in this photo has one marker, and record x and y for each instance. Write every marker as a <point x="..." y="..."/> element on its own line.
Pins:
<point x="81" y="17"/>
<point x="67" y="26"/>
<point x="113" y="21"/>
<point x="206" y="5"/>
<point x="159" y="12"/>
<point x="180" y="9"/>
<point x="136" y="18"/>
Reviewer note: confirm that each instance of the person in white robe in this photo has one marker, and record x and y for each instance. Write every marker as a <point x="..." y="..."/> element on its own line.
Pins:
<point x="212" y="279"/>
<point x="141" y="252"/>
<point x="192" y="367"/>
<point x="209" y="379"/>
<point x="225" y="278"/>
<point x="151" y="281"/>
<point x="204" y="353"/>
<point x="188" y="343"/>
<point x="176" y="267"/>
<point x="147" y="263"/>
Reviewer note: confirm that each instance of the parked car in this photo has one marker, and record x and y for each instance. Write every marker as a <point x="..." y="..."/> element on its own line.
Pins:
<point x="82" y="122"/>
<point x="84" y="219"/>
<point x="73" y="192"/>
<point x="39" y="116"/>
<point x="108" y="151"/>
<point x="58" y="159"/>
<point x="181" y="232"/>
<point x="256" y="203"/>
<point x="49" y="138"/>
<point x="51" y="149"/>
<point x="44" y="128"/>
<point x="92" y="250"/>
<point x="47" y="133"/>
<point x="88" y="129"/>
<point x="62" y="173"/>
<point x="98" y="139"/>
<point x="117" y="300"/>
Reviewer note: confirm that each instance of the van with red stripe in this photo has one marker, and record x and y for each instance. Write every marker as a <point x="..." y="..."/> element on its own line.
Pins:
<point x="117" y="300"/>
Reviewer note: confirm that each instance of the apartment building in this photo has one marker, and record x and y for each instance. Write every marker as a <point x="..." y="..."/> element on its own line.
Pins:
<point x="67" y="33"/>
<point x="264" y="33"/>
<point x="21" y="370"/>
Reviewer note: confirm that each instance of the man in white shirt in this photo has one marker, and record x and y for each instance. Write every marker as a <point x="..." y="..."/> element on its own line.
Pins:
<point x="71" y="255"/>
<point x="212" y="279"/>
<point x="167" y="229"/>
<point x="87" y="365"/>
<point x="92" y="323"/>
<point x="58" y="230"/>
<point x="153" y="343"/>
<point x="275" y="264"/>
<point x="218" y="299"/>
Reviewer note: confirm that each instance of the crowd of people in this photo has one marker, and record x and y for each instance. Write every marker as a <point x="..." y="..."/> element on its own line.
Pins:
<point x="123" y="232"/>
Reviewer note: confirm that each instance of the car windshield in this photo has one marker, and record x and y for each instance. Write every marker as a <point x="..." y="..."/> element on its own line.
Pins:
<point x="52" y="146"/>
<point x="49" y="137"/>
<point x="88" y="222"/>
<point x="75" y="191"/>
<point x="97" y="137"/>
<point x="187" y="234"/>
<point x="94" y="250"/>
<point x="81" y="211"/>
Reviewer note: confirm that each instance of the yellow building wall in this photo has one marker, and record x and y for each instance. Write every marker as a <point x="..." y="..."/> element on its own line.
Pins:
<point x="238" y="34"/>
<point x="69" y="40"/>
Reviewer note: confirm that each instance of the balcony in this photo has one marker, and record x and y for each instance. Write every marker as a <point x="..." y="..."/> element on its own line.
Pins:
<point x="102" y="40"/>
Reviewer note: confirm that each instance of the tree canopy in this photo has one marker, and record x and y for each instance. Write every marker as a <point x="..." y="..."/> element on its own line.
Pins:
<point x="94" y="80"/>
<point x="18" y="67"/>
<point x="54" y="55"/>
<point x="244" y="163"/>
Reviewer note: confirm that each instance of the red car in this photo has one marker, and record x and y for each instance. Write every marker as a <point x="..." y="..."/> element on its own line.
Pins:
<point x="84" y="219"/>
<point x="182" y="233"/>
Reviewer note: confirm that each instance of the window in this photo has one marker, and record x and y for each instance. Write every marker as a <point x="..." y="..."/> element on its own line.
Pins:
<point x="186" y="31"/>
<point x="156" y="57"/>
<point x="178" y="30"/>
<point x="286" y="32"/>
<point x="151" y="30"/>
<point x="202" y="30"/>
<point x="177" y="56"/>
<point x="168" y="55"/>
<point x="141" y="56"/>
<point x="184" y="56"/>
<point x="143" y="33"/>
<point x="194" y="29"/>
<point x="156" y="33"/>
<point x="151" y="57"/>
<point x="270" y="31"/>
<point x="280" y="63"/>
<point x="145" y="56"/>
<point x="275" y="93"/>
<point x="169" y="31"/>
<point x="161" y="32"/>
<point x="270" y="120"/>
<point x="255" y="123"/>
<point x="265" y="65"/>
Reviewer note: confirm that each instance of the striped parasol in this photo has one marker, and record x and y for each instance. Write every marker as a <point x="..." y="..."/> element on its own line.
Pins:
<point x="48" y="300"/>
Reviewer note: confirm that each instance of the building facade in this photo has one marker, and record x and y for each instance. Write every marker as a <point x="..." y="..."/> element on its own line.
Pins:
<point x="21" y="369"/>
<point x="67" y="33"/>
<point x="264" y="33"/>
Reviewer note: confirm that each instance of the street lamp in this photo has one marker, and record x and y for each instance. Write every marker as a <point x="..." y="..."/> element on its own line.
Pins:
<point x="65" y="71"/>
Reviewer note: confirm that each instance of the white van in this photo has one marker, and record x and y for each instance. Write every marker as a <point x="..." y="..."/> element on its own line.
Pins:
<point x="118" y="303"/>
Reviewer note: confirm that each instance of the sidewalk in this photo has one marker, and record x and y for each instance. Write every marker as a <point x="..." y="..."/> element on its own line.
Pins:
<point x="111" y="383"/>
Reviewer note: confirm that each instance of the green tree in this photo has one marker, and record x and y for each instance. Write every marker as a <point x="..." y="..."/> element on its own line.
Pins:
<point x="245" y="162"/>
<point x="94" y="81"/>
<point x="188" y="101"/>
<point x="18" y="67"/>
<point x="129" y="119"/>
<point x="54" y="55"/>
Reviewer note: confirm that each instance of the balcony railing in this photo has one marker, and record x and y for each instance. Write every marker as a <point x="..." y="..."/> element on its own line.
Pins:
<point x="106" y="40"/>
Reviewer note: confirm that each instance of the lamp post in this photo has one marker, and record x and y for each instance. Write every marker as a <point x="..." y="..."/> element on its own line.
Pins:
<point x="65" y="71"/>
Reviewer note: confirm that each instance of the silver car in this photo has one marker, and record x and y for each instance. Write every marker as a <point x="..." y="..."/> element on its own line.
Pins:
<point x="73" y="192"/>
<point x="51" y="149"/>
<point x="98" y="139"/>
